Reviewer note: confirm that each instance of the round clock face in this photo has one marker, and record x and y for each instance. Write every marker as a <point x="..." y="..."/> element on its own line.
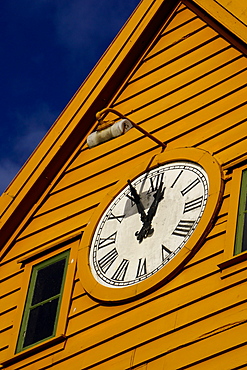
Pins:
<point x="148" y="223"/>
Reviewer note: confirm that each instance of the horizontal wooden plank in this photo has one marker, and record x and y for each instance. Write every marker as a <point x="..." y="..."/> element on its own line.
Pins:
<point x="233" y="358"/>
<point x="49" y="235"/>
<point x="178" y="353"/>
<point x="201" y="132"/>
<point x="183" y="75"/>
<point x="170" y="39"/>
<point x="61" y="213"/>
<point x="38" y="360"/>
<point x="176" y="108"/>
<point x="227" y="138"/>
<point x="11" y="284"/>
<point x="5" y="339"/>
<point x="153" y="103"/>
<point x="187" y="45"/>
<point x="81" y="304"/>
<point x="7" y="320"/>
<point x="10" y="301"/>
<point x="181" y="16"/>
<point x="157" y="331"/>
<point x="132" y="153"/>
<point x="231" y="152"/>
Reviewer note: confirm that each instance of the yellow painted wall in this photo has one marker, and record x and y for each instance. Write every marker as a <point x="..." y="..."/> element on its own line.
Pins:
<point x="189" y="90"/>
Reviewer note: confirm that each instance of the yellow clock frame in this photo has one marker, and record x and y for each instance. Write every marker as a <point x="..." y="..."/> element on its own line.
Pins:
<point x="124" y="294"/>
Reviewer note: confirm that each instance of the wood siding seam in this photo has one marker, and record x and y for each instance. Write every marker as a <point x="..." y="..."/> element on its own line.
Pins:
<point x="150" y="300"/>
<point x="191" y="343"/>
<point x="172" y="60"/>
<point x="9" y="293"/>
<point x="205" y="122"/>
<point x="8" y="310"/>
<point x="226" y="129"/>
<point x="176" y="329"/>
<point x="6" y="329"/>
<point x="222" y="97"/>
<point x="235" y="162"/>
<point x="192" y="264"/>
<point x="191" y="66"/>
<point x="175" y="43"/>
<point x="195" y="80"/>
<point x="20" y="271"/>
<point x="226" y="275"/>
<point x="58" y="222"/>
<point x="231" y="144"/>
<point x="177" y="27"/>
<point x="79" y="313"/>
<point x="220" y="353"/>
<point x="114" y="166"/>
<point x="189" y="98"/>
<point x="81" y="197"/>
<point x="74" y="200"/>
<point x="3" y="348"/>
<point x="54" y="240"/>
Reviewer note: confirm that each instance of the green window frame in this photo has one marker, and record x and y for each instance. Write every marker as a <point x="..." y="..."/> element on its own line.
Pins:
<point x="241" y="231"/>
<point x="43" y="301"/>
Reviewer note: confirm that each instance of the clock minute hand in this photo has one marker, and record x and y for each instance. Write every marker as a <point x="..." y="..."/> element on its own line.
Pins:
<point x="158" y="196"/>
<point x="136" y="198"/>
<point x="147" y="229"/>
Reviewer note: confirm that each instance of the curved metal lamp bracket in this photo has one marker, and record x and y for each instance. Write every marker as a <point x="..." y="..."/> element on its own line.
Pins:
<point x="102" y="113"/>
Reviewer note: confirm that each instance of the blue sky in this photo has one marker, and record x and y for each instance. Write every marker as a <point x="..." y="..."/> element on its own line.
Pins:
<point x="47" y="49"/>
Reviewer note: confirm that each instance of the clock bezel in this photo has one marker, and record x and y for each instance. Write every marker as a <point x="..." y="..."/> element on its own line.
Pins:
<point x="124" y="294"/>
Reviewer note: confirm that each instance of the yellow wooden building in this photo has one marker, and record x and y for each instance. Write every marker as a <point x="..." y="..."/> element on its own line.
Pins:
<point x="131" y="254"/>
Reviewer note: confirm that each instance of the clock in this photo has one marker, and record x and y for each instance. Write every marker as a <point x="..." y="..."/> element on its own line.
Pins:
<point x="152" y="224"/>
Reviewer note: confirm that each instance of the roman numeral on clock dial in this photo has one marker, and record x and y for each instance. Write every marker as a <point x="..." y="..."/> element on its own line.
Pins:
<point x="165" y="251"/>
<point x="141" y="268"/>
<point x="190" y="186"/>
<point x="176" y="179"/>
<point x="155" y="182"/>
<point x="118" y="218"/>
<point x="104" y="242"/>
<point x="183" y="228"/>
<point x="121" y="270"/>
<point x="193" y="204"/>
<point x="107" y="260"/>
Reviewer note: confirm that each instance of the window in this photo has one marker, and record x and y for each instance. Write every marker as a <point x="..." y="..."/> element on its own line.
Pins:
<point x="43" y="301"/>
<point x="241" y="233"/>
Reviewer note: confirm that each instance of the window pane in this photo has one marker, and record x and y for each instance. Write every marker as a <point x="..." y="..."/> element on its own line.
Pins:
<point x="41" y="322"/>
<point x="48" y="282"/>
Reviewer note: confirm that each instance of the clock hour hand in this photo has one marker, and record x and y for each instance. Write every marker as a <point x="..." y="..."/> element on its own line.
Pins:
<point x="147" y="229"/>
<point x="136" y="198"/>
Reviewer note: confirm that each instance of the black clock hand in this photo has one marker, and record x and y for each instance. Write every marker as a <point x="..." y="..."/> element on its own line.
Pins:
<point x="136" y="198"/>
<point x="147" y="229"/>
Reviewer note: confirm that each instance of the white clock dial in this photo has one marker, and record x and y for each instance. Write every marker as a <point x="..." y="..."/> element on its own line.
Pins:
<point x="148" y="223"/>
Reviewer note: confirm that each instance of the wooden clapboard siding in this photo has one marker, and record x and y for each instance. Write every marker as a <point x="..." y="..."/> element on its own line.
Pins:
<point x="188" y="89"/>
<point x="154" y="330"/>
